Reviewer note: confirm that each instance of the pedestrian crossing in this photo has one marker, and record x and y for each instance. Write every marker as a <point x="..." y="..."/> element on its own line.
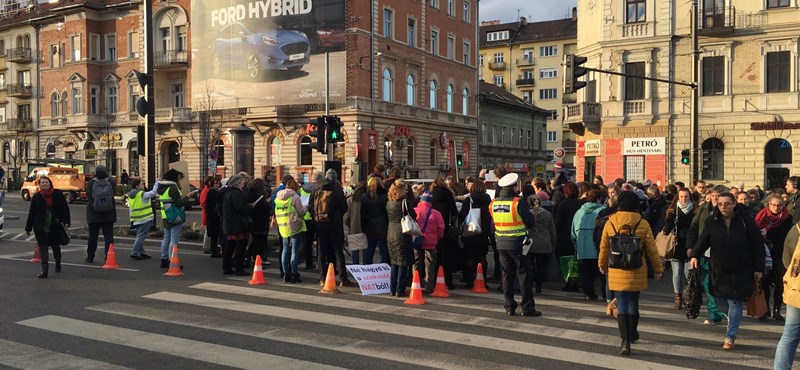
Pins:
<point x="291" y="326"/>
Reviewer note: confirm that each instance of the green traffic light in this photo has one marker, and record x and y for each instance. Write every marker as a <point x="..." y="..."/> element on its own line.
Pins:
<point x="685" y="160"/>
<point x="334" y="135"/>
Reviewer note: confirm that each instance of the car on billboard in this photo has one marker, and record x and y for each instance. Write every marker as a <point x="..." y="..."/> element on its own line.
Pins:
<point x="328" y="39"/>
<point x="259" y="47"/>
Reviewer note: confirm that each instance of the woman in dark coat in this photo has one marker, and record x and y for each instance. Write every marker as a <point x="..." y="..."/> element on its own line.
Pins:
<point x="775" y="223"/>
<point x="477" y="246"/>
<point x="234" y="213"/>
<point x="447" y="251"/>
<point x="211" y="219"/>
<point x="401" y="252"/>
<point x="48" y="206"/>
<point x="261" y="214"/>
<point x="679" y="215"/>
<point x="374" y="221"/>
<point x="565" y="212"/>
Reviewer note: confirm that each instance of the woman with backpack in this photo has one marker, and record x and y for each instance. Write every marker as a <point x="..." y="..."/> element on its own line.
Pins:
<point x="48" y="208"/>
<point x="400" y="250"/>
<point x="173" y="213"/>
<point x="582" y="231"/>
<point x="678" y="219"/>
<point x="289" y="215"/>
<point x="627" y="280"/>
<point x="374" y="221"/>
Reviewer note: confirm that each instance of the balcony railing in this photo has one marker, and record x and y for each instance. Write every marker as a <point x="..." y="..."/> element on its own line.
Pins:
<point x="582" y="116"/>
<point x="525" y="81"/>
<point x="634" y="107"/>
<point x="133" y="117"/>
<point x="175" y="115"/>
<point x="497" y="66"/>
<point x="19" y="55"/>
<point x="636" y="30"/>
<point x="20" y="124"/>
<point x="526" y="61"/>
<point x="716" y="21"/>
<point x="56" y="121"/>
<point x="19" y="90"/>
<point x="170" y="58"/>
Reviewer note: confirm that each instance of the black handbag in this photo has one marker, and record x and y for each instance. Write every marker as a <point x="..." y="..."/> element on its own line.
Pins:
<point x="61" y="233"/>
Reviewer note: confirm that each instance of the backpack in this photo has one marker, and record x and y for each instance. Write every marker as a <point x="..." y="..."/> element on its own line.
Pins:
<point x="103" y="194"/>
<point x="626" y="250"/>
<point x="323" y="211"/>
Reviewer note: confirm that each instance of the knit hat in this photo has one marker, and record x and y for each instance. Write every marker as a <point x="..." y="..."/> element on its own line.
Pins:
<point x="426" y="197"/>
<point x="557" y="165"/>
<point x="331" y="174"/>
<point x="628" y="201"/>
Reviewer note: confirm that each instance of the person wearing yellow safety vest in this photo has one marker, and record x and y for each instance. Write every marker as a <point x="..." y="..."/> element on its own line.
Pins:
<point x="288" y="202"/>
<point x="512" y="219"/>
<point x="307" y="247"/>
<point x="141" y="214"/>
<point x="170" y="193"/>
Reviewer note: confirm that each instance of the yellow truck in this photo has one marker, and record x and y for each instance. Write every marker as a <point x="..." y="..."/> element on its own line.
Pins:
<point x="69" y="180"/>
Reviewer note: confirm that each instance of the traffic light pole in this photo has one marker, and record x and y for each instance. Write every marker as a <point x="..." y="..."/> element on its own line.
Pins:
<point x="331" y="147"/>
<point x="693" y="128"/>
<point x="150" y="127"/>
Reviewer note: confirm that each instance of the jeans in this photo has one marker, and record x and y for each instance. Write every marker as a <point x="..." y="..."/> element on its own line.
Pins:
<point x="291" y="250"/>
<point x="172" y="235"/>
<point x="398" y="282"/>
<point x="787" y="346"/>
<point x="714" y="314"/>
<point x="679" y="271"/>
<point x="627" y="303"/>
<point x="94" y="233"/>
<point x="141" y="233"/>
<point x="308" y="243"/>
<point x="370" y="251"/>
<point x="734" y="318"/>
<point x="609" y="294"/>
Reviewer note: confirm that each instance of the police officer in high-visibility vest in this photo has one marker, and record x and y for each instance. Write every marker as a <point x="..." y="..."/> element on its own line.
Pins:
<point x="140" y="211"/>
<point x="512" y="219"/>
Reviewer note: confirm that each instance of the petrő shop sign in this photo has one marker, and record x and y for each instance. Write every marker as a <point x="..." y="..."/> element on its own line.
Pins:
<point x="645" y="146"/>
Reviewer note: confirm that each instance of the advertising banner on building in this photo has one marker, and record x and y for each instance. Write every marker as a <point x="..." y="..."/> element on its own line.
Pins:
<point x="266" y="53"/>
<point x="645" y="146"/>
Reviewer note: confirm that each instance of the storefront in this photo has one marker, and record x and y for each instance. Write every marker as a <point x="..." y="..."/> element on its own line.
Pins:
<point x="637" y="159"/>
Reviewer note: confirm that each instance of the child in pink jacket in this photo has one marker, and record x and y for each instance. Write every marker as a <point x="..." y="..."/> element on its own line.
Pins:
<point x="431" y="233"/>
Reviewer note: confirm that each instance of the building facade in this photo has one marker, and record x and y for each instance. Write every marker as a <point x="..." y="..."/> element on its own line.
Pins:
<point x="525" y="59"/>
<point x="748" y="86"/>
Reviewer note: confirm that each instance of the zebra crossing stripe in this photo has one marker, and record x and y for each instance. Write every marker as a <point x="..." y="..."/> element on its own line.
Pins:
<point x="169" y="345"/>
<point x="471" y="340"/>
<point x="23" y="356"/>
<point x="16" y="237"/>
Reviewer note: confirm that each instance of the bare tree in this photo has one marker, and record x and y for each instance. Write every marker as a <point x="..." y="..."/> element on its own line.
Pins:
<point x="18" y="133"/>
<point x="212" y="121"/>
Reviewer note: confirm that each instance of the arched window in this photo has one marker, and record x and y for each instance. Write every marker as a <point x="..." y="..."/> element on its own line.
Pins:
<point x="433" y="152"/>
<point x="54" y="104"/>
<point x="713" y="159"/>
<point x="173" y="152"/>
<point x="432" y="97"/>
<point x="64" y="104"/>
<point x="50" y="152"/>
<point x="411" y="90"/>
<point x="778" y="151"/>
<point x="387" y="85"/>
<point x="411" y="155"/>
<point x="450" y="92"/>
<point x="19" y="41"/>
<point x="26" y="41"/>
<point x="219" y="147"/>
<point x="6" y="152"/>
<point x="465" y="101"/>
<point x="305" y="151"/>
<point x="89" y="151"/>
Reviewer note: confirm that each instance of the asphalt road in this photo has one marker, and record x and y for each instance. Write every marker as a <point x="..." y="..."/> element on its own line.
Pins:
<point x="134" y="317"/>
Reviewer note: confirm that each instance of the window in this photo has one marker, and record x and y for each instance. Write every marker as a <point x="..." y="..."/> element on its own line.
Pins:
<point x="54" y="56"/>
<point x="777" y="3"/>
<point x="528" y="139"/>
<point x="527" y="55"/>
<point x="433" y="156"/>
<point x="713" y="159"/>
<point x="545" y="94"/>
<point x="388" y="18"/>
<point x="465" y="101"/>
<point x="24" y="78"/>
<point x="77" y="100"/>
<point x="634" y="167"/>
<point x="133" y="44"/>
<point x="528" y="74"/>
<point x="484" y="134"/>
<point x="112" y="102"/>
<point x="499" y="57"/>
<point x="466" y="52"/>
<point x="64" y="100"/>
<point x="547" y="73"/>
<point x="219" y="147"/>
<point x="133" y="96"/>
<point x="166" y="39"/>
<point x="435" y="4"/>
<point x="451" y="47"/>
<point x="177" y="96"/>
<point x="89" y="151"/>
<point x="410" y="154"/>
<point x="305" y="151"/>
<point x="2" y="81"/>
<point x="432" y="97"/>
<point x="512" y="137"/>
<point x="3" y="47"/>
<point x="54" y="104"/>
<point x="387" y="85"/>
<point x="635" y="11"/>
<point x="502" y="135"/>
<point x="181" y="38"/>
<point x="552" y="136"/>
<point x="480" y="60"/>
<point x="539" y="140"/>
<point x="435" y="42"/>
<point x="497" y="36"/>
<point x="778" y="71"/>
<point x="498" y="80"/>
<point x="93" y="103"/>
<point x="450" y="92"/>
<point x="494" y="135"/>
<point x="75" y="46"/>
<point x="548" y="51"/>
<point x="411" y="90"/>
<point x="411" y="36"/>
<point x="111" y="47"/>
<point x="527" y="96"/>
<point x="467" y="17"/>
<point x="451" y="7"/>
<point x="634" y="87"/>
<point x="713" y="75"/>
<point x="50" y="152"/>
<point x="94" y="47"/>
<point x="6" y="152"/>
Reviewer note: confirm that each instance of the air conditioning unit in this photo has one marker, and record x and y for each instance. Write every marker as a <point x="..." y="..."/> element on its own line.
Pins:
<point x="444" y="167"/>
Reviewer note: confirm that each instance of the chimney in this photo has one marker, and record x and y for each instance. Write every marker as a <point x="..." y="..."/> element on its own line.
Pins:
<point x="574" y="14"/>
<point x="523" y="21"/>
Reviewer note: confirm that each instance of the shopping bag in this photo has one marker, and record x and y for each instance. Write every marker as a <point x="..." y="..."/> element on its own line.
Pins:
<point x="569" y="268"/>
<point x="472" y="224"/>
<point x="408" y="223"/>
<point x="757" y="303"/>
<point x="693" y="294"/>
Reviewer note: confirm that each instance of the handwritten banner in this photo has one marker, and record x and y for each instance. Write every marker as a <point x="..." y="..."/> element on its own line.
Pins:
<point x="372" y="279"/>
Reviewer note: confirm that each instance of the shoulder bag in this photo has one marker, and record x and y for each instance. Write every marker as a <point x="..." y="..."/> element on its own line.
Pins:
<point x="408" y="223"/>
<point x="62" y="235"/>
<point x="666" y="243"/>
<point x="472" y="224"/>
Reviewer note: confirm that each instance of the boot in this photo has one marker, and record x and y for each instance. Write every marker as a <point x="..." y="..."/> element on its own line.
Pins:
<point x="57" y="256"/>
<point x="296" y="278"/>
<point x="58" y="265"/>
<point x="634" y="327"/>
<point x="45" y="267"/>
<point x="776" y="313"/>
<point x="625" y="346"/>
<point x="287" y="278"/>
<point x="678" y="301"/>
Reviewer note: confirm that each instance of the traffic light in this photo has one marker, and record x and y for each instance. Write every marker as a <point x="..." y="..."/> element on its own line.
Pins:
<point x="459" y="160"/>
<point x="316" y="129"/>
<point x="140" y="140"/>
<point x="572" y="72"/>
<point x="685" y="156"/>
<point x="334" y="129"/>
<point x="142" y="105"/>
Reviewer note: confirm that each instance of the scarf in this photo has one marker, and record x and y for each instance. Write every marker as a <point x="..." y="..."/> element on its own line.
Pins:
<point x="685" y="208"/>
<point x="765" y="219"/>
<point x="47" y="195"/>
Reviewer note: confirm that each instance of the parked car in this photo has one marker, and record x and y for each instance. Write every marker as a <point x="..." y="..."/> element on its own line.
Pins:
<point x="259" y="47"/>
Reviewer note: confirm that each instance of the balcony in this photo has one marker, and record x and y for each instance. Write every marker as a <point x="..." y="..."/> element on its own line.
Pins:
<point x="637" y="30"/>
<point x="525" y="82"/>
<point x="174" y="115"/>
<point x="56" y="121"/>
<point x="526" y="61"/>
<point x="19" y="55"/>
<point x="19" y="91"/>
<point x="716" y="21"/>
<point x="582" y="116"/>
<point x="133" y="117"/>
<point x="497" y="66"/>
<point x="170" y="58"/>
<point x="634" y="107"/>
<point x="20" y="124"/>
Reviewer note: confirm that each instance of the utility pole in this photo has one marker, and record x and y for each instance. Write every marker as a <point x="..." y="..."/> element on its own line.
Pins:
<point x="695" y="94"/>
<point x="150" y="127"/>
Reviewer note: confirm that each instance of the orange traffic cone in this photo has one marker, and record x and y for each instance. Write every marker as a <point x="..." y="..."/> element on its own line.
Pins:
<point x="37" y="257"/>
<point x="111" y="258"/>
<point x="258" y="274"/>
<point x="479" y="286"/>
<point x="440" y="291"/>
<point x="330" y="282"/>
<point x="416" y="291"/>
<point x="174" y="263"/>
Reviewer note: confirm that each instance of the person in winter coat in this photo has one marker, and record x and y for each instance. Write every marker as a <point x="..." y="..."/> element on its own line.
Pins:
<point x="288" y="202"/>
<point x="262" y="209"/>
<point x="744" y="199"/>
<point x="211" y="219"/>
<point x="307" y="249"/>
<point x="48" y="207"/>
<point x="476" y="247"/>
<point x="737" y="259"/>
<point x="431" y="225"/>
<point x="235" y="215"/>
<point x="544" y="239"/>
<point x="170" y="194"/>
<point x="99" y="220"/>
<point x="679" y="216"/>
<point x="401" y="252"/>
<point x="330" y="226"/>
<point x="581" y="235"/>
<point x="374" y="221"/>
<point x="447" y="252"/>
<point x="352" y="218"/>
<point x="628" y="284"/>
<point x="565" y="212"/>
<point x="656" y="205"/>
<point x="774" y="223"/>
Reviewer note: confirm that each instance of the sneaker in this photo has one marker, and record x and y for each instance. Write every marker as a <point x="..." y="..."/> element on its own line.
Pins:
<point x="712" y="322"/>
<point x="729" y="344"/>
<point x="533" y="313"/>
<point x="136" y="257"/>
<point x="346" y="283"/>
<point x="145" y="256"/>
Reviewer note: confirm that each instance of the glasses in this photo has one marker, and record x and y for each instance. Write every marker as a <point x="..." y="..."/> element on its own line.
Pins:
<point x="776" y="205"/>
<point x="726" y="205"/>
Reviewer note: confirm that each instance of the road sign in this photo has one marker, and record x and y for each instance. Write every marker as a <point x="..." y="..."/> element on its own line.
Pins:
<point x="558" y="152"/>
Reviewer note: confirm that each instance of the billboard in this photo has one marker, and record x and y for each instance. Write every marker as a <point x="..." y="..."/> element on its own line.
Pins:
<point x="249" y="53"/>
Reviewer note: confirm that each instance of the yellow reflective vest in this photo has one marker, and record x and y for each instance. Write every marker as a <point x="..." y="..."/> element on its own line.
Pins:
<point x="140" y="209"/>
<point x="283" y="210"/>
<point x="507" y="221"/>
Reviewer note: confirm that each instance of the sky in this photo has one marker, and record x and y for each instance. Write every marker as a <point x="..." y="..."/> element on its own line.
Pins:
<point x="533" y="10"/>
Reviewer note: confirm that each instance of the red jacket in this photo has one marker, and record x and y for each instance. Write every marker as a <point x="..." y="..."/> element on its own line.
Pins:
<point x="435" y="229"/>
<point x="203" y="195"/>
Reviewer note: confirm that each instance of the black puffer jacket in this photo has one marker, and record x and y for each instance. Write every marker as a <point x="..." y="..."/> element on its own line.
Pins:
<point x="736" y="253"/>
<point x="374" y="220"/>
<point x="445" y="202"/>
<point x="234" y="212"/>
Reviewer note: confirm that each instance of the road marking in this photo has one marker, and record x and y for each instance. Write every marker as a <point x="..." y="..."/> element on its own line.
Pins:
<point x="23" y="356"/>
<point x="415" y="332"/>
<point x="169" y="345"/>
<point x="32" y="237"/>
<point x="299" y="337"/>
<point x="30" y="254"/>
<point x="18" y="236"/>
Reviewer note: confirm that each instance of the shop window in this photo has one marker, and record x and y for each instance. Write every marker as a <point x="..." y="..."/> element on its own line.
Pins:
<point x="713" y="159"/>
<point x="634" y="167"/>
<point x="305" y="151"/>
<point x="50" y="152"/>
<point x="90" y="151"/>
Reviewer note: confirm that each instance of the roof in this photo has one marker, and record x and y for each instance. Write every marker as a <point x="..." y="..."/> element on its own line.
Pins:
<point x="496" y="94"/>
<point x="520" y="32"/>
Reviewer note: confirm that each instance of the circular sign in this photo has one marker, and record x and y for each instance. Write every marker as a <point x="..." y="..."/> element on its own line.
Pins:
<point x="558" y="152"/>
